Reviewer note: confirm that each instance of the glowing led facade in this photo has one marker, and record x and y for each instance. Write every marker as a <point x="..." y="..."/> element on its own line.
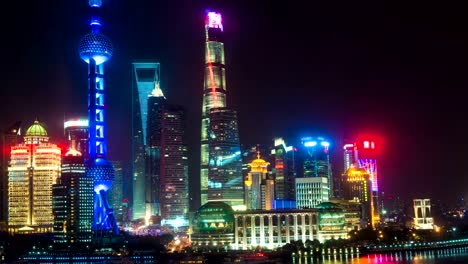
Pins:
<point x="146" y="98"/>
<point x="368" y="161"/>
<point x="10" y="137"/>
<point x="356" y="185"/>
<point x="77" y="129"/>
<point x="34" y="168"/>
<point x="95" y="49"/>
<point x="225" y="182"/>
<point x="214" y="89"/>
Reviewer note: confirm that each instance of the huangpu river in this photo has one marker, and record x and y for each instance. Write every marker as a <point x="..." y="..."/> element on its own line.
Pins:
<point x="444" y="256"/>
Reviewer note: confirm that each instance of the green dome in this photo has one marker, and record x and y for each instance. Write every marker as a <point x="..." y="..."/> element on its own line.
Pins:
<point x="214" y="218"/>
<point x="328" y="206"/>
<point x="36" y="130"/>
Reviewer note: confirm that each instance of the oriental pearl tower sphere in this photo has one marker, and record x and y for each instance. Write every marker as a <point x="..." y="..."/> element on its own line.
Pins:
<point x="95" y="49"/>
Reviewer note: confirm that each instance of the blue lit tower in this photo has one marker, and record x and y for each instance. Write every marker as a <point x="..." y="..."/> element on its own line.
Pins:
<point x="95" y="49"/>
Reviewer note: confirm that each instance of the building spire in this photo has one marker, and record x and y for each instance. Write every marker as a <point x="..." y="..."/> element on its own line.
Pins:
<point x="157" y="92"/>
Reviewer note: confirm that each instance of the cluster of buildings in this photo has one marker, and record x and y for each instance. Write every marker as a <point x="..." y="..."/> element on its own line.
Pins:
<point x="249" y="197"/>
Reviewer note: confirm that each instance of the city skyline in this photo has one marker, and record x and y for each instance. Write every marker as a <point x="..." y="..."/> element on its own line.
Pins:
<point x="332" y="72"/>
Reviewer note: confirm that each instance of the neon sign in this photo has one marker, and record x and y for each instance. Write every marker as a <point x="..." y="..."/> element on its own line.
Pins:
<point x="214" y="20"/>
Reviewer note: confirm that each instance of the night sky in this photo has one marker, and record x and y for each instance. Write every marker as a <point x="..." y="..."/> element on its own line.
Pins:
<point x="295" y="68"/>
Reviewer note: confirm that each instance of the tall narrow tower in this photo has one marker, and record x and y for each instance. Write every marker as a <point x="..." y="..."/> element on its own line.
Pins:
<point x="95" y="49"/>
<point x="145" y="91"/>
<point x="214" y="89"/>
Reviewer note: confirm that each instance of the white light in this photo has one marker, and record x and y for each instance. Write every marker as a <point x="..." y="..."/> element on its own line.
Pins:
<point x="310" y="143"/>
<point x="76" y="123"/>
<point x="325" y="144"/>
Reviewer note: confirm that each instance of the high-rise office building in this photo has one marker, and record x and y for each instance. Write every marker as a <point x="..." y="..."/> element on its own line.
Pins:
<point x="356" y="185"/>
<point x="145" y="90"/>
<point x="77" y="129"/>
<point x="225" y="165"/>
<point x="311" y="191"/>
<point x="95" y="49"/>
<point x="284" y="170"/>
<point x="350" y="156"/>
<point x="34" y="167"/>
<point x="156" y="103"/>
<point x="174" y="167"/>
<point x="368" y="160"/>
<point x="315" y="159"/>
<point x="259" y="186"/>
<point x="10" y="137"/>
<point x="214" y="90"/>
<point x="73" y="201"/>
<point x="225" y="182"/>
<point x="116" y="192"/>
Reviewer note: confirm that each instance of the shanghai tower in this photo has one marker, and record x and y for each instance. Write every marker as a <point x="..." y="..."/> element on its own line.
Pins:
<point x="214" y="97"/>
<point x="95" y="49"/>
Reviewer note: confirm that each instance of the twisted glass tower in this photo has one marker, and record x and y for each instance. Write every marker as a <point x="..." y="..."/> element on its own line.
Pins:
<point x="95" y="49"/>
<point x="214" y="89"/>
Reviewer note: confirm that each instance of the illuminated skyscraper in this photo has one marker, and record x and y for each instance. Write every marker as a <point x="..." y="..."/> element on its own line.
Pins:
<point x="156" y="103"/>
<point x="214" y="89"/>
<point x="225" y="182"/>
<point x="95" y="49"/>
<point x="368" y="161"/>
<point x="284" y="170"/>
<point x="174" y="167"/>
<point x="145" y="89"/>
<point x="350" y="156"/>
<point x="35" y="166"/>
<point x="77" y="129"/>
<point x="315" y="159"/>
<point x="73" y="201"/>
<point x="356" y="185"/>
<point x="10" y="137"/>
<point x="259" y="186"/>
<point x="116" y="192"/>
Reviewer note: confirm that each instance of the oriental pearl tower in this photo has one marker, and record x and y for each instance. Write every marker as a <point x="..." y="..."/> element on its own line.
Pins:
<point x="95" y="49"/>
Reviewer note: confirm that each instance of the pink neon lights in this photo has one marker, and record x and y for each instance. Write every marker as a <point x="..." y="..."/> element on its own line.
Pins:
<point x="214" y="20"/>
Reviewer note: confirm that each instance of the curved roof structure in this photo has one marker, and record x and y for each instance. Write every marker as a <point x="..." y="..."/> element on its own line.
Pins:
<point x="36" y="130"/>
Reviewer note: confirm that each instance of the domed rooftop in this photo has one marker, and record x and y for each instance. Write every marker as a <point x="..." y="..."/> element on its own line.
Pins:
<point x="354" y="170"/>
<point x="258" y="164"/>
<point x="214" y="218"/>
<point x="328" y="205"/>
<point x="36" y="130"/>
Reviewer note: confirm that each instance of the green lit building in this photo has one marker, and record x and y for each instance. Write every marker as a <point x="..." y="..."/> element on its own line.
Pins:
<point x="213" y="225"/>
<point x="331" y="222"/>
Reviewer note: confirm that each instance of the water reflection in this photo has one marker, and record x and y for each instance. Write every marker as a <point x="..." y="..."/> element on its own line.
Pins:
<point x="443" y="256"/>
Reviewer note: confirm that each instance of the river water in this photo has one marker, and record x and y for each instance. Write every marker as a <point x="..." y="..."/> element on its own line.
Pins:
<point x="445" y="256"/>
